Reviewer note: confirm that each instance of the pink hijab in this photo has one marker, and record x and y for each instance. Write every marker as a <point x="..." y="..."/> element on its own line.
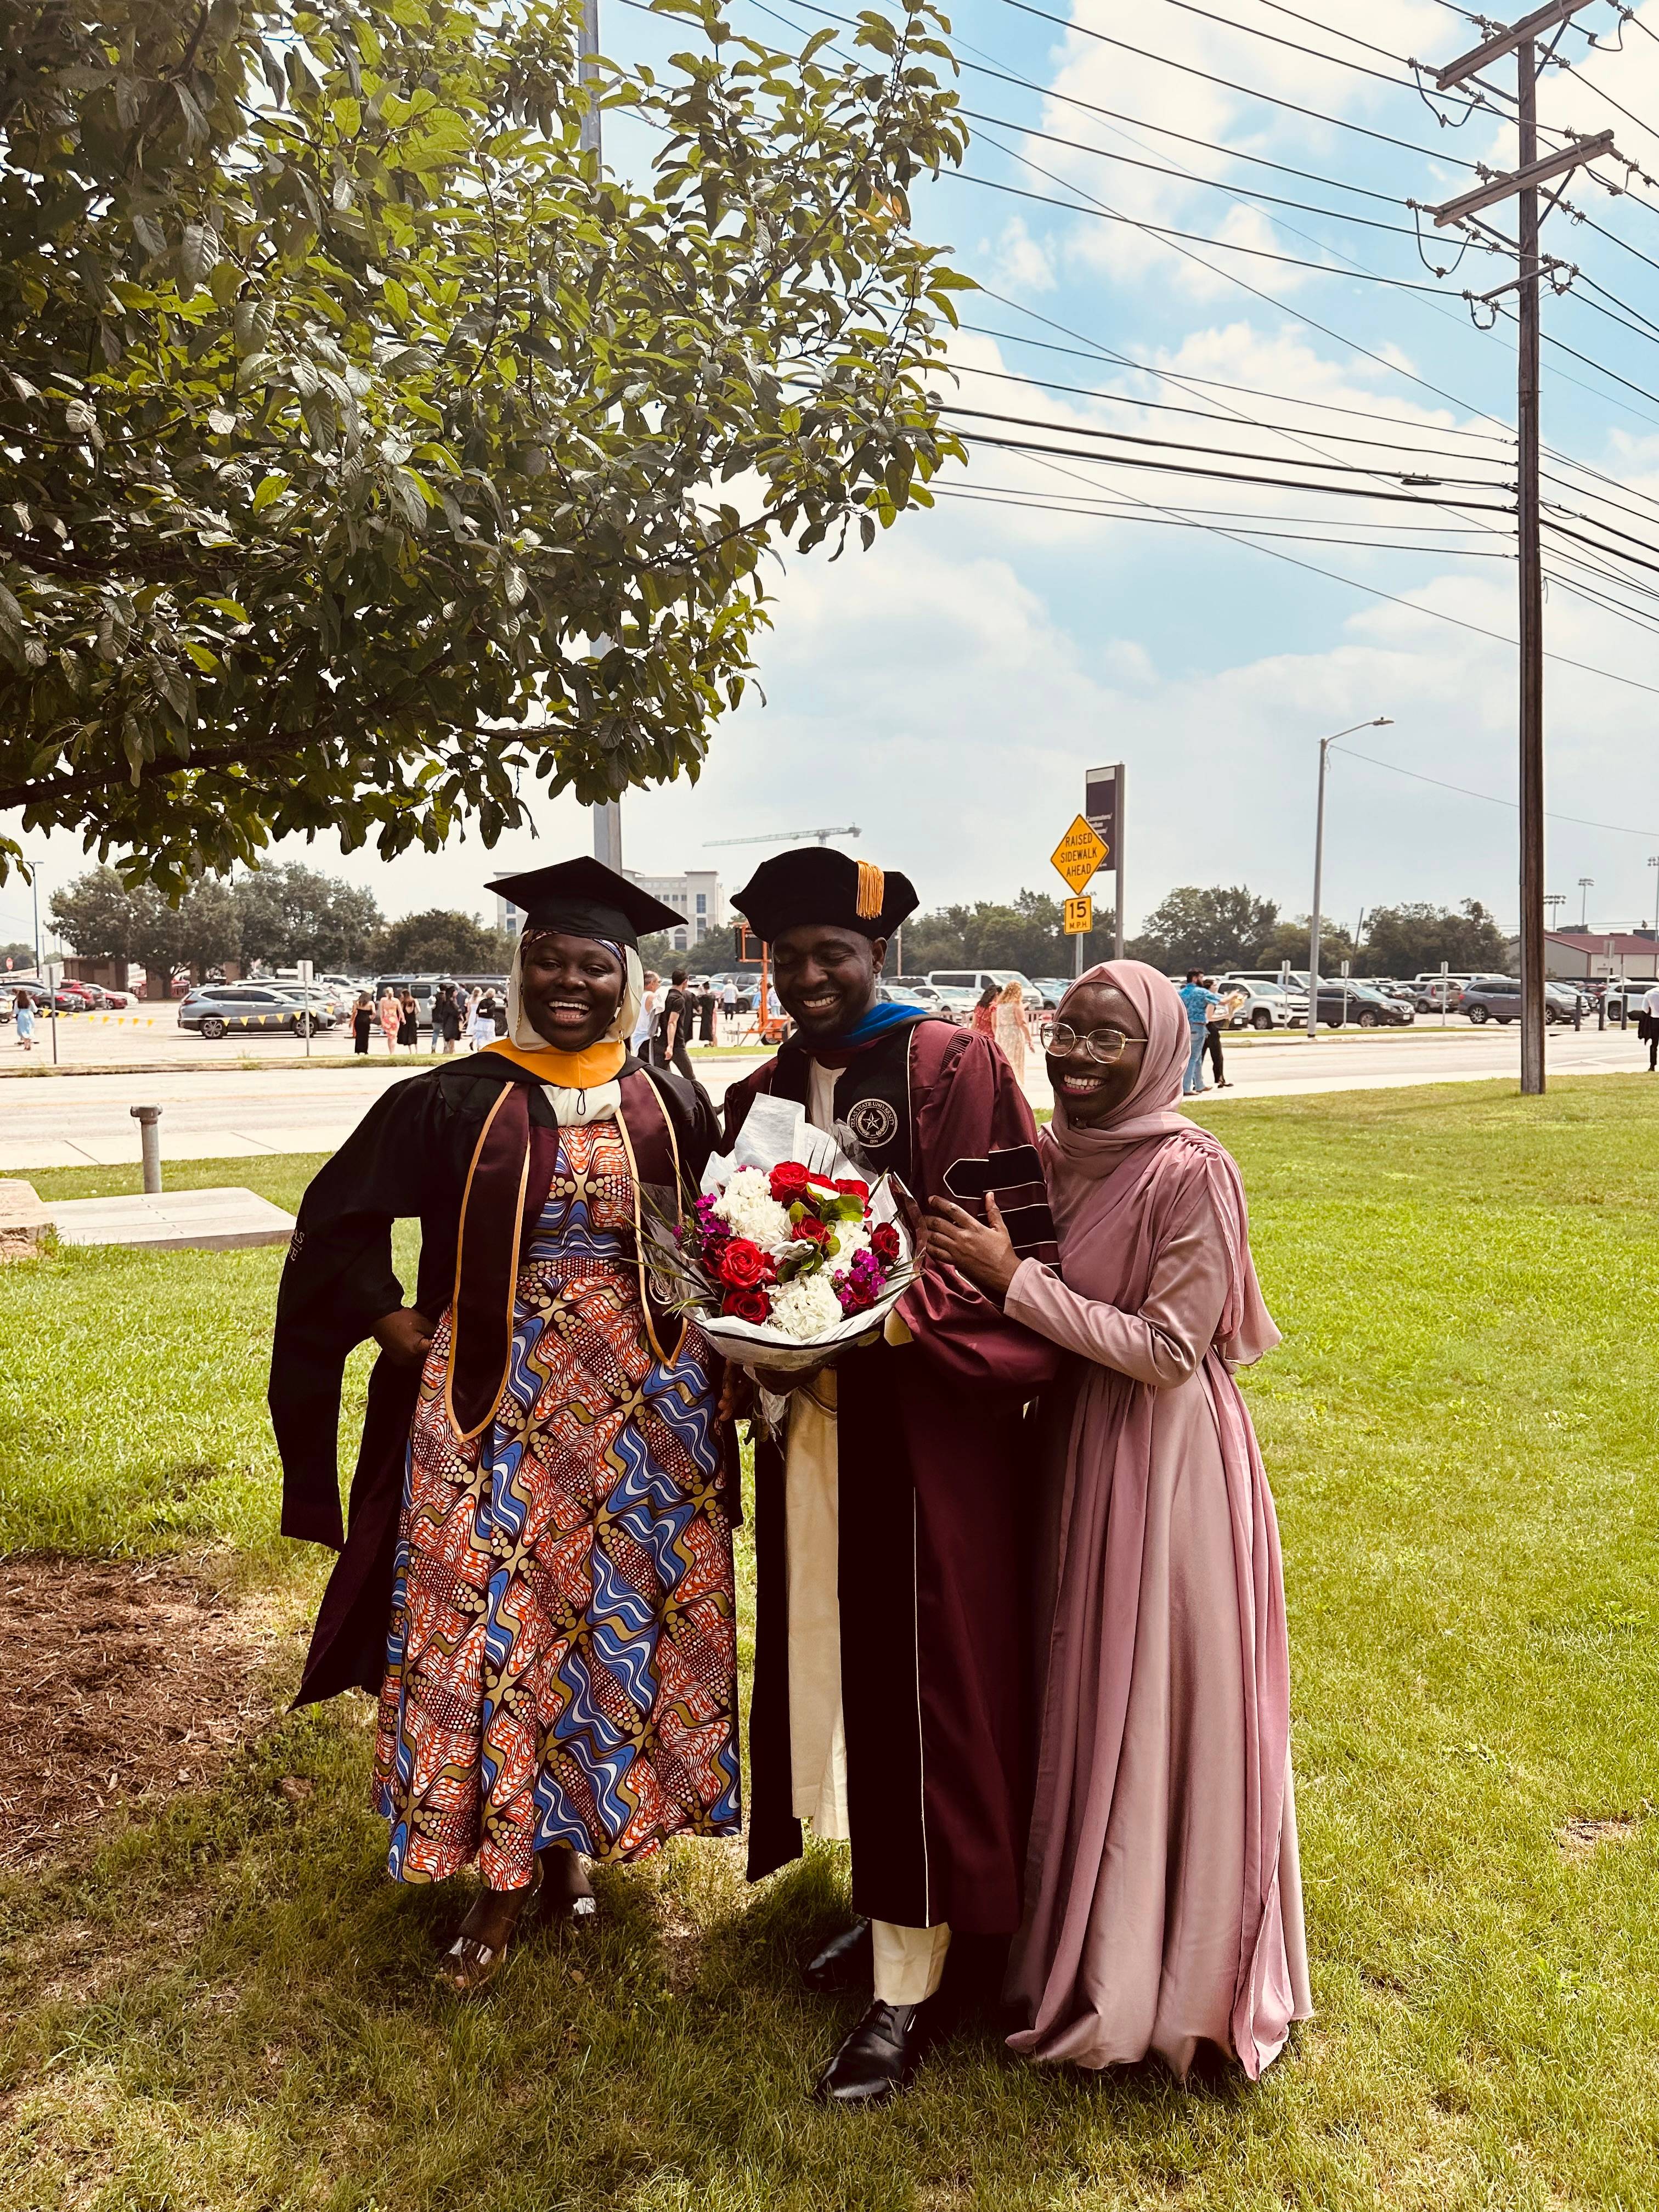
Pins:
<point x="1105" y="1180"/>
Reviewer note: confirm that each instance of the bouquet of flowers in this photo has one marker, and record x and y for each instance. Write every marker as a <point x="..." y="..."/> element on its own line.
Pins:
<point x="789" y="1252"/>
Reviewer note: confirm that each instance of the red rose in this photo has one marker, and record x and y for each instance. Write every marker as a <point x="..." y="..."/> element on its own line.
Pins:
<point x="743" y="1264"/>
<point x="811" y="1230"/>
<point x="747" y="1306"/>
<point x="789" y="1182"/>
<point x="853" y="1188"/>
<point x="885" y="1243"/>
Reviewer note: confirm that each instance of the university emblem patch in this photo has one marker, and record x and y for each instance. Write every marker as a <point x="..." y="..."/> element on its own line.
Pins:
<point x="873" y="1121"/>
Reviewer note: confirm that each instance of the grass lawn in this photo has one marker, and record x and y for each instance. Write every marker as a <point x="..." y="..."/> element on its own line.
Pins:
<point x="230" y="2007"/>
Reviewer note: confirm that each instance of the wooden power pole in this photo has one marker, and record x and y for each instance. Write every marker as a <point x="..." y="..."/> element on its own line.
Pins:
<point x="1522" y="184"/>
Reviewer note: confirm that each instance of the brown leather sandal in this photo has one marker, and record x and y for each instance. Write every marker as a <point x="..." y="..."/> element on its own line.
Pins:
<point x="485" y="1936"/>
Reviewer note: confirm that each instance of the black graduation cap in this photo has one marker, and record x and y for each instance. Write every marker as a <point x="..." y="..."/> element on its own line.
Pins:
<point x="584" y="898"/>
<point x="816" y="883"/>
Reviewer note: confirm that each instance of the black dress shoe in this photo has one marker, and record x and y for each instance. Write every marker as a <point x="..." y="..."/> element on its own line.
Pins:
<point x="845" y="1963"/>
<point x="877" y="2058"/>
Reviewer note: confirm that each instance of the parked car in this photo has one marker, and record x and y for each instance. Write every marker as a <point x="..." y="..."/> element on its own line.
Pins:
<point x="1264" y="1005"/>
<point x="1632" y="987"/>
<point x="959" y="1001"/>
<point x="900" y="995"/>
<point x="923" y="989"/>
<point x="1053" y="989"/>
<point x="213" y="1009"/>
<point x="1498" y="998"/>
<point x="975" y="979"/>
<point x="1428" y="994"/>
<point x="1340" y="1003"/>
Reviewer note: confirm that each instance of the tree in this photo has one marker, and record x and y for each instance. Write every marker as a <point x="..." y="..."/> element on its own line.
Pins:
<point x="292" y="913"/>
<point x="105" y="918"/>
<point x="1404" y="940"/>
<point x="439" y="942"/>
<point x="1213" y="928"/>
<point x="1026" y="935"/>
<point x="368" y="447"/>
<point x="17" y="954"/>
<point x="1286" y="942"/>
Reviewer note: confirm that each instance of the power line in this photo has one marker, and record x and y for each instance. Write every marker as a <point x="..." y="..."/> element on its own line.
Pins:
<point x="1085" y="513"/>
<point x="1227" y="476"/>
<point x="1614" y="829"/>
<point x="1218" y="452"/>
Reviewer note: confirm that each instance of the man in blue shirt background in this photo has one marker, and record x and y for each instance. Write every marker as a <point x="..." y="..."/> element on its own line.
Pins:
<point x="1198" y="1002"/>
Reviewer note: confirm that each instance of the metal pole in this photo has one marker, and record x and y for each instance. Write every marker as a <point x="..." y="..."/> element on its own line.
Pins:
<point x="1319" y="882"/>
<point x="1117" y="924"/>
<point x="150" y="1139"/>
<point x="1531" y="596"/>
<point x="1077" y="956"/>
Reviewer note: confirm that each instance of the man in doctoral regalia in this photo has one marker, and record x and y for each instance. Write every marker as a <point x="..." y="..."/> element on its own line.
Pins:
<point x="890" y="1702"/>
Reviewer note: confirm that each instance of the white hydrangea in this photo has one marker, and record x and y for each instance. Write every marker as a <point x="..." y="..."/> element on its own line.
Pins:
<point x="806" y="1307"/>
<point x="851" y="1238"/>
<point x="749" y="1209"/>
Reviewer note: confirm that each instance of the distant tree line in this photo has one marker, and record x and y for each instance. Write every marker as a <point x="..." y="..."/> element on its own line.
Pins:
<point x="271" y="918"/>
<point x="1228" y="927"/>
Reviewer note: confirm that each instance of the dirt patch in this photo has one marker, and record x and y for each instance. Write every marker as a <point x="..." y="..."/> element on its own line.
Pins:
<point x="119" y="1681"/>
<point x="1580" y="1837"/>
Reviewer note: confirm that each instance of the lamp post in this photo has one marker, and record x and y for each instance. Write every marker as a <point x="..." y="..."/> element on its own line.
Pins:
<point x="1377" y="722"/>
<point x="1586" y="885"/>
<point x="1653" y="862"/>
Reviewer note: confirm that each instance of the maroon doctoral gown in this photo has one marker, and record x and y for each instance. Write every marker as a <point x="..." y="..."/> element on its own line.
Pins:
<point x="935" y="1503"/>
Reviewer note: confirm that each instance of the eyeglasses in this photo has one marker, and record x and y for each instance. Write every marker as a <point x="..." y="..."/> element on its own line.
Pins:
<point x="1107" y="1046"/>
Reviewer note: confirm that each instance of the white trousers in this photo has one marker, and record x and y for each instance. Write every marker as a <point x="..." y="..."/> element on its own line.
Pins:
<point x="908" y="1962"/>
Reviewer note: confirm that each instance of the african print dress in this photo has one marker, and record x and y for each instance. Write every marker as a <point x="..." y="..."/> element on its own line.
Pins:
<point x="562" y="1665"/>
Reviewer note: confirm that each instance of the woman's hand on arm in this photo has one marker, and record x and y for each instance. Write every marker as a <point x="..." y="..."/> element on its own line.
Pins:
<point x="983" y="1251"/>
<point x="404" y="1335"/>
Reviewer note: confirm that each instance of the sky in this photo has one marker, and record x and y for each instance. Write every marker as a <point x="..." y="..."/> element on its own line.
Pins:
<point x="947" y="692"/>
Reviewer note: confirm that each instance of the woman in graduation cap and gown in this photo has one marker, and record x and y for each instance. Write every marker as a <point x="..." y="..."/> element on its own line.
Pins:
<point x="537" y="1576"/>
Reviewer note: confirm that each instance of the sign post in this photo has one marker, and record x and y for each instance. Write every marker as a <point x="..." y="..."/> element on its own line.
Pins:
<point x="1102" y="806"/>
<point x="307" y="970"/>
<point x="1077" y="859"/>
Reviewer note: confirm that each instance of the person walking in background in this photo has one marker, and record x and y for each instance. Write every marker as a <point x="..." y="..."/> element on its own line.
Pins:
<point x="24" y="1015"/>
<point x="984" y="1015"/>
<point x="1163" y="1885"/>
<point x="1008" y="1027"/>
<point x="409" y="1020"/>
<point x="390" y="1016"/>
<point x="480" y="1021"/>
<point x="446" y="1018"/>
<point x="1228" y="1004"/>
<point x="362" y="1021"/>
<point x="673" y="1020"/>
<point x="728" y="1012"/>
<point x="1198" y="1002"/>
<point x="706" y="1004"/>
<point x="1647" y="1025"/>
<point x="643" y="1043"/>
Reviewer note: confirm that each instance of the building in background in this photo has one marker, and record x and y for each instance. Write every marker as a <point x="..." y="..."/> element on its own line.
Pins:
<point x="509" y="916"/>
<point x="1572" y="955"/>
<point x="698" y="895"/>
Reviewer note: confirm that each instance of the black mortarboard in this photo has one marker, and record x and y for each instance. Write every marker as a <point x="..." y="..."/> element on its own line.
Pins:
<point x="587" y="899"/>
<point x="816" y="883"/>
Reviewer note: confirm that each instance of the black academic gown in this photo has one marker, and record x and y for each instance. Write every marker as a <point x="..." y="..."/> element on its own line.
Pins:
<point x="936" y="1488"/>
<point x="469" y="1148"/>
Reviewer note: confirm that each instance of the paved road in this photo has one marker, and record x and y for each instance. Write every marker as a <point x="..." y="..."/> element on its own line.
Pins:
<point x="223" y="1113"/>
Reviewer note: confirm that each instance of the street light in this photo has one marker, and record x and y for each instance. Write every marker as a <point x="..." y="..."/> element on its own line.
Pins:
<point x="1653" y="862"/>
<point x="1586" y="885"/>
<point x="1378" y="722"/>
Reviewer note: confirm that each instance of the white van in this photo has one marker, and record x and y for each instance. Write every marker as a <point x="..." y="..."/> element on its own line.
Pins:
<point x="976" y="980"/>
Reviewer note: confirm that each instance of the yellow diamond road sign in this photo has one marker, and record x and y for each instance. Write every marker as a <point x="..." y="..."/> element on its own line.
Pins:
<point x="1079" y="854"/>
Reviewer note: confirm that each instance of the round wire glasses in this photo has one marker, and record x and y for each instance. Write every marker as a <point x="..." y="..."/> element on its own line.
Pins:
<point x="1106" y="1046"/>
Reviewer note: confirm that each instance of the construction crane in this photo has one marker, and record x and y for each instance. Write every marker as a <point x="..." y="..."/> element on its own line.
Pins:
<point x="789" y="836"/>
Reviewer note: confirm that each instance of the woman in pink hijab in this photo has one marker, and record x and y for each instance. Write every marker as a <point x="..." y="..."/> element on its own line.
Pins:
<point x="1163" y="1897"/>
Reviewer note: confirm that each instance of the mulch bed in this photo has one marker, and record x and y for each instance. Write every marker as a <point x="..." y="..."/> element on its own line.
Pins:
<point x="119" y="1681"/>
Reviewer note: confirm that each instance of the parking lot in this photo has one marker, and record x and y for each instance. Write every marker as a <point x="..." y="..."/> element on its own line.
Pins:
<point x="230" y="1108"/>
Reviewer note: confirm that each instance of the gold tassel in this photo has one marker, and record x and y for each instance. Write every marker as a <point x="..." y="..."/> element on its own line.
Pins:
<point x="872" y="892"/>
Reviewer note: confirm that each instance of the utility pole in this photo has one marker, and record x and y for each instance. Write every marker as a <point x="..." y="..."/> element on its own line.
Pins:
<point x="1522" y="184"/>
<point x="607" y="815"/>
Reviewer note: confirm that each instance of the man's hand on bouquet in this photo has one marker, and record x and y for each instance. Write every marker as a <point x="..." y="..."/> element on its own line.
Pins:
<point x="983" y="1251"/>
<point x="404" y="1336"/>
